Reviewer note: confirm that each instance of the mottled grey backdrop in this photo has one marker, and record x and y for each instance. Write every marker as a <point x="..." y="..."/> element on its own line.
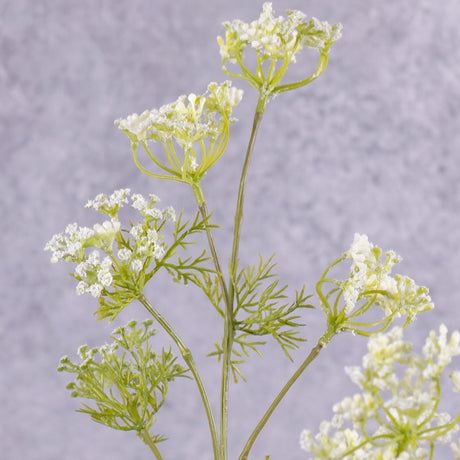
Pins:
<point x="372" y="146"/>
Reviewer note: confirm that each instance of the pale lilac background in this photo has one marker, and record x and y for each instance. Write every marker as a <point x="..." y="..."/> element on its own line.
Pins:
<point x="371" y="147"/>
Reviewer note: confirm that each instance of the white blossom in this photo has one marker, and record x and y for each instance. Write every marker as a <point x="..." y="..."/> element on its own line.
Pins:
<point x="94" y="274"/>
<point x="158" y="251"/>
<point x="397" y="409"/>
<point x="136" y="265"/>
<point x="187" y="120"/>
<point x="370" y="275"/>
<point x="277" y="37"/>
<point x="169" y="213"/>
<point x="109" y="204"/>
<point x="124" y="254"/>
<point x="69" y="245"/>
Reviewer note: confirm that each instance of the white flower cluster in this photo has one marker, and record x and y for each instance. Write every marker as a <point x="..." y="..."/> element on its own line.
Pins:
<point x="369" y="276"/>
<point x="188" y="120"/>
<point x="147" y="209"/>
<point x="396" y="415"/>
<point x="109" y="204"/>
<point x="277" y="38"/>
<point x="438" y="353"/>
<point x="95" y="273"/>
<point x="69" y="245"/>
<point x="147" y="244"/>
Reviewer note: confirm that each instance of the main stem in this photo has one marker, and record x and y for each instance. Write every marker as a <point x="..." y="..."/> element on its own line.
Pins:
<point x="229" y="294"/>
<point x="188" y="358"/>
<point x="229" y="331"/>
<point x="322" y="342"/>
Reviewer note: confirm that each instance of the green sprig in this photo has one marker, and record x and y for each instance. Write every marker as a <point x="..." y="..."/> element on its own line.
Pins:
<point x="126" y="380"/>
<point x="261" y="310"/>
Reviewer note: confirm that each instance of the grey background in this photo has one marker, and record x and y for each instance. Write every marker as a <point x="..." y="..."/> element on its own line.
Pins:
<point x="372" y="146"/>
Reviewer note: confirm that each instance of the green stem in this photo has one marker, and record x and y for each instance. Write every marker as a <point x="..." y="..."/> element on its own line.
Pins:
<point x="229" y="313"/>
<point x="240" y="200"/>
<point x="322" y="342"/>
<point x="204" y="213"/>
<point x="144" y="435"/>
<point x="199" y="196"/>
<point x="319" y="70"/>
<point x="188" y="358"/>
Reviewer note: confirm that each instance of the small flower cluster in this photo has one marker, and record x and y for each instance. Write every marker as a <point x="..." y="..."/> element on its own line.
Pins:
<point x="189" y="119"/>
<point x="126" y="379"/>
<point x="370" y="277"/>
<point x="395" y="417"/>
<point x="109" y="205"/>
<point x="96" y="274"/>
<point x="277" y="38"/>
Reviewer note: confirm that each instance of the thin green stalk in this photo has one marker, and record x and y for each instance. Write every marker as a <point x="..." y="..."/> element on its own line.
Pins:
<point x="240" y="200"/>
<point x="199" y="196"/>
<point x="229" y="316"/>
<point x="322" y="342"/>
<point x="144" y="435"/>
<point x="204" y="213"/>
<point x="188" y="358"/>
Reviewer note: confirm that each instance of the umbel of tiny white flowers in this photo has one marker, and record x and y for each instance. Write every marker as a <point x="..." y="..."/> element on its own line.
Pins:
<point x="276" y="42"/>
<point x="113" y="263"/>
<point x="396" y="414"/>
<point x="198" y="124"/>
<point x="369" y="283"/>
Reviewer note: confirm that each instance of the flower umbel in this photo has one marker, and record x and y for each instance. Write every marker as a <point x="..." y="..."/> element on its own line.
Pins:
<point x="198" y="124"/>
<point x="396" y="414"/>
<point x="276" y="41"/>
<point x="114" y="264"/>
<point x="370" y="283"/>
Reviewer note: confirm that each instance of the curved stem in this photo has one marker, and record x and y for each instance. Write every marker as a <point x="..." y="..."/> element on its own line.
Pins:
<point x="319" y="70"/>
<point x="158" y="163"/>
<point x="188" y="358"/>
<point x="322" y="342"/>
<point x="150" y="173"/>
<point x="144" y="435"/>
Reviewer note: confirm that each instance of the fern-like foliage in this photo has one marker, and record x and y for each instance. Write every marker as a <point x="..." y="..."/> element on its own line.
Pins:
<point x="262" y="309"/>
<point x="185" y="270"/>
<point x="126" y="381"/>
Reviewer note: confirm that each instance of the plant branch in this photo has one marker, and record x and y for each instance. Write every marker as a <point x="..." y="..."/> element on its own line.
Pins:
<point x="199" y="196"/>
<point x="322" y="342"/>
<point x="188" y="358"/>
<point x="144" y="435"/>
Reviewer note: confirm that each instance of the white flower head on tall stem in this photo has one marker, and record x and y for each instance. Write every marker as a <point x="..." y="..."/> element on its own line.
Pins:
<point x="277" y="37"/>
<point x="198" y="124"/>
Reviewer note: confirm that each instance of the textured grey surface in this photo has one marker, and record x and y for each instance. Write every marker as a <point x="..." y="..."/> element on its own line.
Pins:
<point x="372" y="146"/>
